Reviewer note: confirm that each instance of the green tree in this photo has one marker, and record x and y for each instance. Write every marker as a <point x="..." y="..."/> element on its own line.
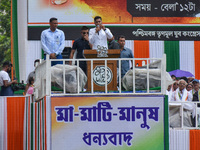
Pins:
<point x="5" y="21"/>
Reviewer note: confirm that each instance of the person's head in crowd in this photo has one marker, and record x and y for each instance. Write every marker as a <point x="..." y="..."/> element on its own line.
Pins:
<point x="190" y="79"/>
<point x="36" y="62"/>
<point x="121" y="40"/>
<point x="169" y="87"/>
<point x="173" y="77"/>
<point x="175" y="85"/>
<point x="189" y="86"/>
<point x="196" y="84"/>
<point x="98" y="21"/>
<point x="84" y="32"/>
<point x="184" y="78"/>
<point x="31" y="80"/>
<point x="7" y="66"/>
<point x="182" y="84"/>
<point x="53" y="23"/>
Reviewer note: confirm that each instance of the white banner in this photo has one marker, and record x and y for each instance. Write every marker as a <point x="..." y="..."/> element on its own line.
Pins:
<point x="107" y="122"/>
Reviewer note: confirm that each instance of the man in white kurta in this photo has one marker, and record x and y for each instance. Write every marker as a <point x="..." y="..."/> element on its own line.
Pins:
<point x="181" y="95"/>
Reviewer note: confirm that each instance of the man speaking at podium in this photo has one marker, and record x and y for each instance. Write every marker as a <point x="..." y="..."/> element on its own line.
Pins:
<point x="99" y="34"/>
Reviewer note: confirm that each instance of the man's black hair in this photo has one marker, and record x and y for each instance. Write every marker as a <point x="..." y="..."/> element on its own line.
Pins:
<point x="173" y="76"/>
<point x="52" y="19"/>
<point x="7" y="63"/>
<point x="30" y="80"/>
<point x="121" y="36"/>
<point x="84" y="28"/>
<point x="97" y="17"/>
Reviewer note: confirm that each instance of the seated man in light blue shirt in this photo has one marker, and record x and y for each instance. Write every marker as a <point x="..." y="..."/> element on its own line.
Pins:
<point x="124" y="53"/>
<point x="53" y="41"/>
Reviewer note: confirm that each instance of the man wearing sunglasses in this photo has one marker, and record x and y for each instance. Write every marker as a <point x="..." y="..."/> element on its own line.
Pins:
<point x="80" y="44"/>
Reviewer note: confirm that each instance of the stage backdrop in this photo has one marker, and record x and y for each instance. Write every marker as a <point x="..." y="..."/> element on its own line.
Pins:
<point x="117" y="12"/>
<point x="162" y="26"/>
<point x="108" y="122"/>
<point x="122" y="17"/>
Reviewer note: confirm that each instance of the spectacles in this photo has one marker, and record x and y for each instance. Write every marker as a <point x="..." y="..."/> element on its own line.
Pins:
<point x="85" y="32"/>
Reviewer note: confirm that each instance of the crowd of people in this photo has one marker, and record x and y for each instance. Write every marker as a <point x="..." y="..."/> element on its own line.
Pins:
<point x="183" y="90"/>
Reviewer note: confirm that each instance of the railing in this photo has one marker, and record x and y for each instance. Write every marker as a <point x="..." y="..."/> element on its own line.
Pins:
<point x="44" y="71"/>
<point x="193" y="114"/>
<point x="43" y="83"/>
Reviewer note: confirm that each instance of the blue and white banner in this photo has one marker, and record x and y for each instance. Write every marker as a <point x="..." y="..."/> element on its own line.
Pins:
<point x="107" y="122"/>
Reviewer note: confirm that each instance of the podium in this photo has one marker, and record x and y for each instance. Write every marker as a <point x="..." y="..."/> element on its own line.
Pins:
<point x="99" y="70"/>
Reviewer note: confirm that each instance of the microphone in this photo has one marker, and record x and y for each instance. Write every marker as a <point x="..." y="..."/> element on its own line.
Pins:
<point x="98" y="27"/>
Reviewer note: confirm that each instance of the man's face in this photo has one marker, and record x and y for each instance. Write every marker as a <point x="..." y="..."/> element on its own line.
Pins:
<point x="182" y="85"/>
<point x="121" y="42"/>
<point x="8" y="69"/>
<point x="196" y="85"/>
<point x="54" y="24"/>
<point x="98" y="22"/>
<point x="174" y="78"/>
<point x="189" y="87"/>
<point x="169" y="87"/>
<point x="175" y="85"/>
<point x="84" y="33"/>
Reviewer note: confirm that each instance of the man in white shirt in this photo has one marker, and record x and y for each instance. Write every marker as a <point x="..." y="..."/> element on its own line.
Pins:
<point x="181" y="94"/>
<point x="99" y="34"/>
<point x="5" y="81"/>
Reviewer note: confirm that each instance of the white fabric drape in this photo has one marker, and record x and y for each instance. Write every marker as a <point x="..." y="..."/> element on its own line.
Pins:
<point x="156" y="49"/>
<point x="22" y="37"/>
<point x="3" y="123"/>
<point x="33" y="52"/>
<point x="179" y="139"/>
<point x="186" y="53"/>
